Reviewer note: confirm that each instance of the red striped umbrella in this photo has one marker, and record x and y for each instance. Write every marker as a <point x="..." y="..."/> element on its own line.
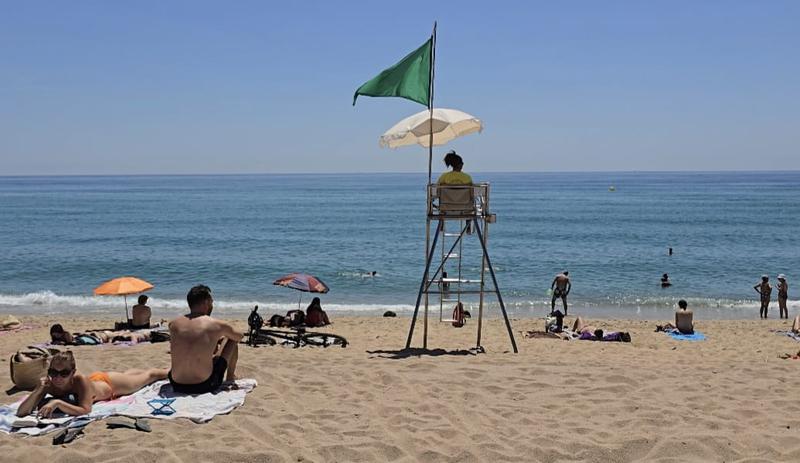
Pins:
<point x="302" y="282"/>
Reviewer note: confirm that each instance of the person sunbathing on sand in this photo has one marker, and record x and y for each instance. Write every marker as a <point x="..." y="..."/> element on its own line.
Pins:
<point x="140" y="314"/>
<point x="585" y="330"/>
<point x="315" y="316"/>
<point x="796" y="325"/>
<point x="203" y="349"/>
<point x="59" y="336"/>
<point x="591" y="333"/>
<point x="683" y="320"/>
<point x="63" y="380"/>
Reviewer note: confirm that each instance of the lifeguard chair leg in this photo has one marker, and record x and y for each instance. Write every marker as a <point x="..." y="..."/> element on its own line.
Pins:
<point x="422" y="286"/>
<point x="496" y="288"/>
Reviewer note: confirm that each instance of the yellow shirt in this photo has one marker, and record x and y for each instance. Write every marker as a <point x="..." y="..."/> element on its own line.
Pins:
<point x="454" y="178"/>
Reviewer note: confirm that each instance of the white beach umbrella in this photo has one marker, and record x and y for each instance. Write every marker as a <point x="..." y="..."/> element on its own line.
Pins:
<point x="448" y="124"/>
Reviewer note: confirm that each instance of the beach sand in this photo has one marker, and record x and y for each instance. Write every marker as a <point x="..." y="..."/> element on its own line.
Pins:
<point x="729" y="398"/>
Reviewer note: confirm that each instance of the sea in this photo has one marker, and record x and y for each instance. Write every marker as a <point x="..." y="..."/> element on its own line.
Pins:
<point x="61" y="236"/>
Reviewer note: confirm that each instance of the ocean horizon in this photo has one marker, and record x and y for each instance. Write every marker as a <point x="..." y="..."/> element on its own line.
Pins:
<point x="64" y="235"/>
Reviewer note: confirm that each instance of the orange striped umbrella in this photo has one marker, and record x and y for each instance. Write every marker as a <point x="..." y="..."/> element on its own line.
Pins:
<point x="123" y="286"/>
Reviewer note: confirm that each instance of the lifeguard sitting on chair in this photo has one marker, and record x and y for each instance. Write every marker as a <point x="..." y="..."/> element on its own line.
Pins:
<point x="455" y="176"/>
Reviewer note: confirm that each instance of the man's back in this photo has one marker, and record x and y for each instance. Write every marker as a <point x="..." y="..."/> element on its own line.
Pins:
<point x="561" y="281"/>
<point x="193" y="340"/>
<point x="140" y="315"/>
<point x="683" y="321"/>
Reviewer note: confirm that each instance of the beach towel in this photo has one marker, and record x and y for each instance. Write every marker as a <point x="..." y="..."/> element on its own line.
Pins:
<point x="198" y="408"/>
<point x="36" y="427"/>
<point x="678" y="336"/>
<point x="789" y="334"/>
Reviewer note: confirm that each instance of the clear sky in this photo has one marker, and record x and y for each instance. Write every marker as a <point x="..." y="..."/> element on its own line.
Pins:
<point x="99" y="87"/>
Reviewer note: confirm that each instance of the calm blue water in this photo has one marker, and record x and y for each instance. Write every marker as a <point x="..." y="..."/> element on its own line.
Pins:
<point x="62" y="236"/>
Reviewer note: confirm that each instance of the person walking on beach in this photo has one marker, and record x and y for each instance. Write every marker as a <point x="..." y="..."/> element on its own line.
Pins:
<point x="560" y="287"/>
<point x="783" y="295"/>
<point x="765" y="291"/>
<point x="203" y="349"/>
<point x="455" y="176"/>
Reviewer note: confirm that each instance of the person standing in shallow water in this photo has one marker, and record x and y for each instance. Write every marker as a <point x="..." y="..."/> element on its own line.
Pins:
<point x="765" y="291"/>
<point x="783" y="295"/>
<point x="561" y="287"/>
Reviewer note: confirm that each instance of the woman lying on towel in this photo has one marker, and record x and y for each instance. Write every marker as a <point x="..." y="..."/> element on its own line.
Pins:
<point x="588" y="332"/>
<point x="61" y="337"/>
<point x="74" y="393"/>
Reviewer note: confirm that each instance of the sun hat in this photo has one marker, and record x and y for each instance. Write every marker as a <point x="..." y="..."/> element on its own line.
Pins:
<point x="781" y="276"/>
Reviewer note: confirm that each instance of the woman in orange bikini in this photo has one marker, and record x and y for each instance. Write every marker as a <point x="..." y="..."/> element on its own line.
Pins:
<point x="74" y="393"/>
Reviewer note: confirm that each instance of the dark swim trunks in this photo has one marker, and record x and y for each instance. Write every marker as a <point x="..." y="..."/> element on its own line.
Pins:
<point x="558" y="292"/>
<point x="209" y="385"/>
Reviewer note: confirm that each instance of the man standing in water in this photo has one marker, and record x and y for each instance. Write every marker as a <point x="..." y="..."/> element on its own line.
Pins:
<point x="765" y="290"/>
<point x="783" y="295"/>
<point x="203" y="349"/>
<point x="560" y="287"/>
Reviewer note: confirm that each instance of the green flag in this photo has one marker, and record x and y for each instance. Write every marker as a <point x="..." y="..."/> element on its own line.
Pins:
<point x="410" y="78"/>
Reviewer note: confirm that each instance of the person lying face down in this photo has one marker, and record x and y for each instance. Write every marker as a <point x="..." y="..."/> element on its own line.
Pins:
<point x="73" y="393"/>
<point x="59" y="336"/>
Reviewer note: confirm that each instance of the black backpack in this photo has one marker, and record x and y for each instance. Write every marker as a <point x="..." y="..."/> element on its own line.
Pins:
<point x="295" y="317"/>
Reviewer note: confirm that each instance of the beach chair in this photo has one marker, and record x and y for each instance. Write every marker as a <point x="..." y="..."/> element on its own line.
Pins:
<point x="456" y="200"/>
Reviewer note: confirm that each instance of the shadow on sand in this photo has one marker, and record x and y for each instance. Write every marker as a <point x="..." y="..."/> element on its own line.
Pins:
<point x="419" y="352"/>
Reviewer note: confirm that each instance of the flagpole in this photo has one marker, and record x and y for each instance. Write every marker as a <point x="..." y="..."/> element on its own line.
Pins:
<point x="430" y="161"/>
<point x="430" y="102"/>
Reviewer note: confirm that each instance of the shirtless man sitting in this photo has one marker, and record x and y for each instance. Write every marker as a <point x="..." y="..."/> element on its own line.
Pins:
<point x="141" y="314"/>
<point x="202" y="348"/>
<point x="683" y="320"/>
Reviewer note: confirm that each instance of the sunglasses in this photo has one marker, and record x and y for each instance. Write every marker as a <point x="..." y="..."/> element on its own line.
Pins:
<point x="53" y="373"/>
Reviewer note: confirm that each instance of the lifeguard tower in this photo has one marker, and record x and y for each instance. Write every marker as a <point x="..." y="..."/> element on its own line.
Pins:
<point x="455" y="215"/>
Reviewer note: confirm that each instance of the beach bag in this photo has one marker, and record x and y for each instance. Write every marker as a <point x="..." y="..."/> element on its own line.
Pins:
<point x="159" y="336"/>
<point x="277" y="320"/>
<point x="458" y="315"/>
<point x="554" y="322"/>
<point x="295" y="317"/>
<point x="29" y="365"/>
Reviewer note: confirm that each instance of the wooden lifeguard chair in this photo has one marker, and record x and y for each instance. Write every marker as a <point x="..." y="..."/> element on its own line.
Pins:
<point x="455" y="212"/>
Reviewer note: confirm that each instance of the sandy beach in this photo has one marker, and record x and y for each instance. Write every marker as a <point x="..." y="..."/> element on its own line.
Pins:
<point x="729" y="398"/>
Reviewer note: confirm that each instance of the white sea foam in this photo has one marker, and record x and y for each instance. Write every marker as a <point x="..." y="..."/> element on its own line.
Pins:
<point x="48" y="302"/>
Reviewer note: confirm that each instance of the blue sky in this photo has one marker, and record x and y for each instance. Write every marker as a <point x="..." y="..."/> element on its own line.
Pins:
<point x="96" y="87"/>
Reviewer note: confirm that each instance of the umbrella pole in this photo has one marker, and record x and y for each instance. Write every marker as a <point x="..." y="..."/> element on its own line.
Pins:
<point x="298" y="300"/>
<point x="126" y="308"/>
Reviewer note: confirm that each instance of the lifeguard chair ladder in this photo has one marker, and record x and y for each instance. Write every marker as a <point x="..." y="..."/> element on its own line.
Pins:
<point x="469" y="206"/>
